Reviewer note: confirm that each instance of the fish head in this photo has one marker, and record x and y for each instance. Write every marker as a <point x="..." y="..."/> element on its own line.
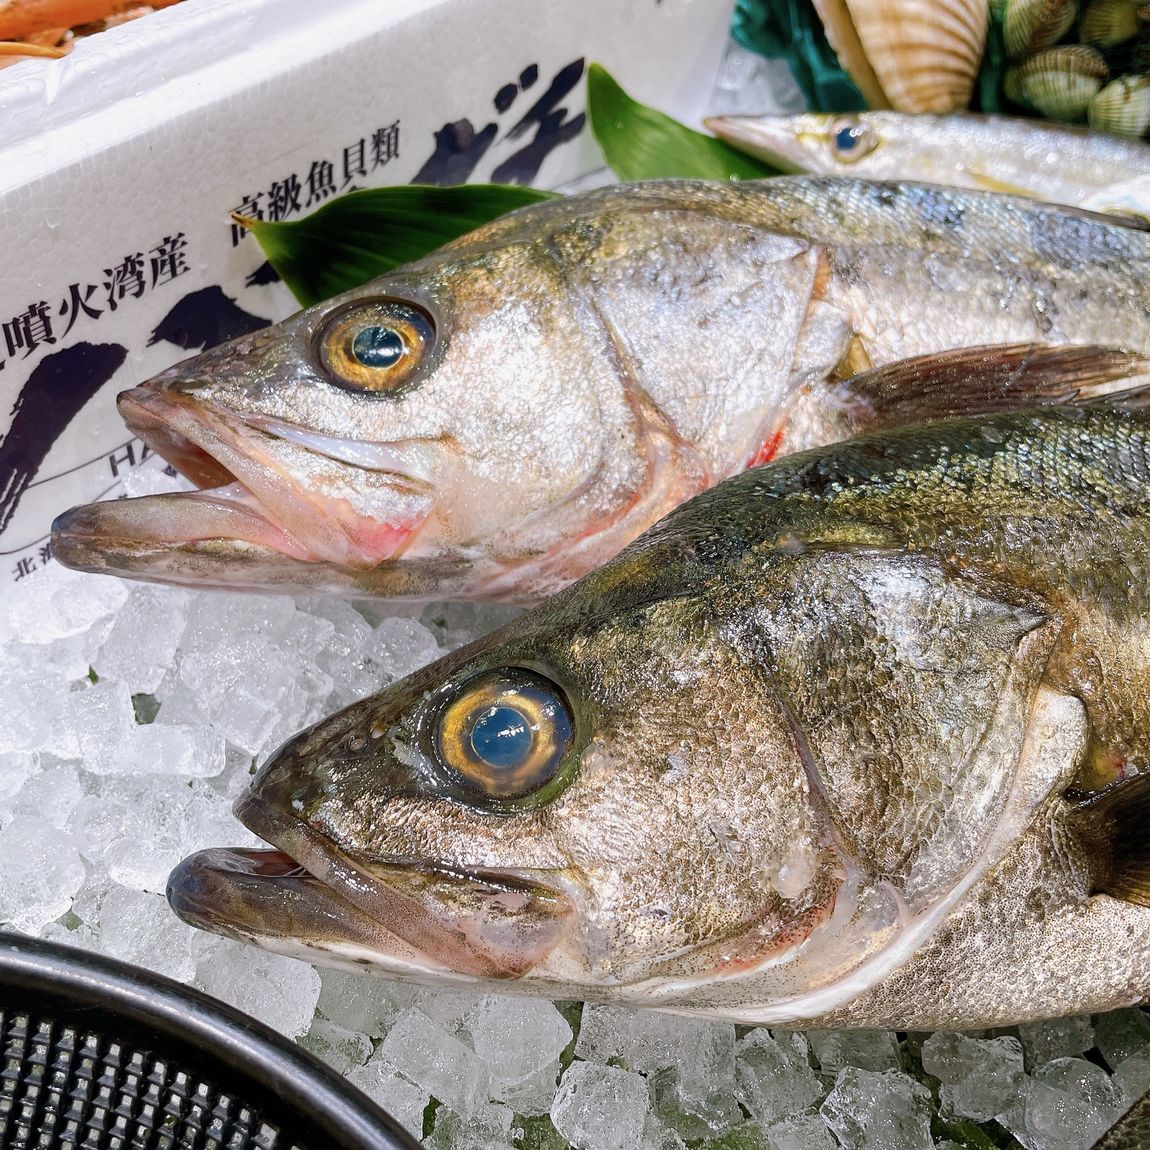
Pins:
<point x="869" y="145"/>
<point x="519" y="813"/>
<point x="414" y="437"/>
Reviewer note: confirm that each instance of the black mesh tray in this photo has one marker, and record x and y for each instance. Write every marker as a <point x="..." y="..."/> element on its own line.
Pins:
<point x="99" y="1055"/>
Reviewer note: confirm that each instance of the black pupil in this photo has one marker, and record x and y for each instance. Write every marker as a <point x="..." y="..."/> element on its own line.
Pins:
<point x="847" y="139"/>
<point x="378" y="346"/>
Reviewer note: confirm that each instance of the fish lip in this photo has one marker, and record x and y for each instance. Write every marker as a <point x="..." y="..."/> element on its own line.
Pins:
<point x="217" y="448"/>
<point x="766" y="138"/>
<point x="208" y="889"/>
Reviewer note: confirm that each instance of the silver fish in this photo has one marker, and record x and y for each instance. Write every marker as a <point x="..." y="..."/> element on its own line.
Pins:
<point x="503" y="416"/>
<point x="859" y="738"/>
<point x="1055" y="162"/>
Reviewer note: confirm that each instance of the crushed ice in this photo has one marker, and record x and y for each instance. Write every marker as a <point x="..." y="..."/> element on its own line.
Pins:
<point x="132" y="715"/>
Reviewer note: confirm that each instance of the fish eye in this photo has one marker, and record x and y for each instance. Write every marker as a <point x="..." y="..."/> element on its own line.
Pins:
<point x="505" y="734"/>
<point x="851" y="139"/>
<point x="376" y="347"/>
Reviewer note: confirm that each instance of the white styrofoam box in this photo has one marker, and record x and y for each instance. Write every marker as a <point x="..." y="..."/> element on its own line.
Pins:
<point x="120" y="166"/>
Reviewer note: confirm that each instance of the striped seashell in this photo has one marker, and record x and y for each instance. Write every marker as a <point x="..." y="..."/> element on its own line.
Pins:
<point x="1058" y="82"/>
<point x="1122" y="107"/>
<point x="910" y="55"/>
<point x="1029" y="25"/>
<point x="1109" y="22"/>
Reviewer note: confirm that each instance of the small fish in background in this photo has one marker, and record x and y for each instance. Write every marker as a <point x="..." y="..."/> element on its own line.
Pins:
<point x="504" y="415"/>
<point x="859" y="738"/>
<point x="1059" y="163"/>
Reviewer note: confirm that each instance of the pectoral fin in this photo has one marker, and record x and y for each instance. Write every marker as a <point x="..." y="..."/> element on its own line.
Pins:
<point x="988" y="379"/>
<point x="1118" y="821"/>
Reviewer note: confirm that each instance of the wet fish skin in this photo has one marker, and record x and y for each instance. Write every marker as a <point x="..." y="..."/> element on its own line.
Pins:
<point x="834" y="722"/>
<point x="598" y="360"/>
<point x="1060" y="163"/>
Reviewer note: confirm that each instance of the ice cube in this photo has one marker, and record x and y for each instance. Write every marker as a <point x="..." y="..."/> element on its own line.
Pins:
<point x="1085" y="1082"/>
<point x="42" y="870"/>
<point x="516" y="1037"/>
<point x="1121" y="1034"/>
<point x="36" y="716"/>
<point x="51" y="795"/>
<point x="774" y="1075"/>
<point x="1043" y="1118"/>
<point x="342" y="1049"/>
<point x="870" y="1110"/>
<point x="1133" y="1075"/>
<point x="398" y="647"/>
<point x="692" y="1118"/>
<point x="437" y="1061"/>
<point x="16" y="768"/>
<point x="240" y="686"/>
<point x="656" y="1136"/>
<point x="600" y="1107"/>
<point x="402" y="1099"/>
<point x="139" y="828"/>
<point x="343" y="657"/>
<point x="803" y="1132"/>
<point x="57" y="603"/>
<point x="866" y="1049"/>
<point x="102" y="718"/>
<point x="703" y="1052"/>
<point x="164" y="749"/>
<point x="140" y="928"/>
<point x="532" y="1095"/>
<point x="142" y="642"/>
<point x="1055" y="1038"/>
<point x="281" y="992"/>
<point x="979" y="1076"/>
<point x="488" y="1128"/>
<point x="359" y="1002"/>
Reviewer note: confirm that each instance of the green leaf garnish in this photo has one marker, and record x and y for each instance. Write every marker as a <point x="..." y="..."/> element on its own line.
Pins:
<point x="639" y="143"/>
<point x="365" y="234"/>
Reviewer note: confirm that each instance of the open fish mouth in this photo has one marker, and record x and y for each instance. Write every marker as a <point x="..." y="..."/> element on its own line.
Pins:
<point x="354" y="505"/>
<point x="404" y="917"/>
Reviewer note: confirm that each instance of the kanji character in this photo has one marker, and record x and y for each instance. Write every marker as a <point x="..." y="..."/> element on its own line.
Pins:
<point x="283" y="198"/>
<point x="77" y="303"/>
<point x="125" y="279"/>
<point x="167" y="258"/>
<point x="384" y="145"/>
<point x="354" y="162"/>
<point x="320" y="182"/>
<point x="250" y="209"/>
<point x="28" y="330"/>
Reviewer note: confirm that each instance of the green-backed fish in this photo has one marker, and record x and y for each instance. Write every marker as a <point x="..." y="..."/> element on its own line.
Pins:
<point x="859" y="738"/>
<point x="1057" y="162"/>
<point x="503" y="416"/>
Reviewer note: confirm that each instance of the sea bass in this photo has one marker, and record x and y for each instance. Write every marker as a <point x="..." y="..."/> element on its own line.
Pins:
<point x="858" y="738"/>
<point x="503" y="416"/>
<point x="1057" y="162"/>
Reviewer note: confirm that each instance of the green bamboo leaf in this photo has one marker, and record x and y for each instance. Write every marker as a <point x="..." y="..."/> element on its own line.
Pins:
<point x="639" y="143"/>
<point x="365" y="234"/>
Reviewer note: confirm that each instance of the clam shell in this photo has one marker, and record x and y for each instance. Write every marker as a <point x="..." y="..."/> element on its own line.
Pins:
<point x="1122" y="107"/>
<point x="923" y="55"/>
<point x="1109" y="22"/>
<point x="844" y="39"/>
<point x="1059" y="82"/>
<point x="1028" y="25"/>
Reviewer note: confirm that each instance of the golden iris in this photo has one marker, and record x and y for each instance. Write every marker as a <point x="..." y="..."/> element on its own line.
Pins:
<point x="506" y="733"/>
<point x="376" y="346"/>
